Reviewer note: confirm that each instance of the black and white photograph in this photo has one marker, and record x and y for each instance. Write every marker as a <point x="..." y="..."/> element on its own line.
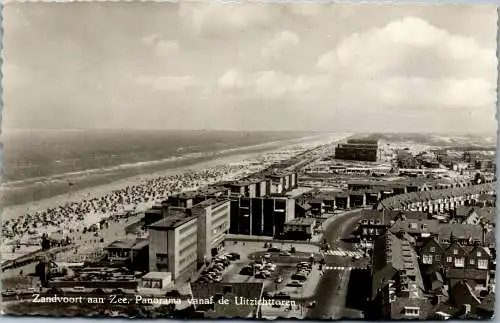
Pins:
<point x="247" y="159"/>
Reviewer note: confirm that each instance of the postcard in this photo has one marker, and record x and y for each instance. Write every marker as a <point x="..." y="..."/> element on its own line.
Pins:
<point x="261" y="160"/>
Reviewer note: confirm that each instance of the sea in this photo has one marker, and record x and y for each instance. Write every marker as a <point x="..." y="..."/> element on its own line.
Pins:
<point x="39" y="164"/>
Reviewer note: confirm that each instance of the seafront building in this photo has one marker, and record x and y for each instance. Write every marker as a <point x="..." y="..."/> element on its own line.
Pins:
<point x="358" y="149"/>
<point x="173" y="243"/>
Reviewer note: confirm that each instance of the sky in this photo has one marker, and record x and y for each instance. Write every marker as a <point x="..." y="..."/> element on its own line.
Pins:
<point x="250" y="66"/>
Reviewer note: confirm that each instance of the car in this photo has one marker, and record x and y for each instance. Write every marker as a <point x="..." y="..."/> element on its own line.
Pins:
<point x="295" y="284"/>
<point x="267" y="256"/>
<point x="299" y="277"/>
<point x="267" y="273"/>
<point x="8" y="293"/>
<point x="78" y="289"/>
<point x="99" y="291"/>
<point x="260" y="275"/>
<point x="270" y="267"/>
<point x="285" y="253"/>
<point x="274" y="249"/>
<point x="173" y="293"/>
<point x="258" y="267"/>
<point x="282" y="295"/>
<point x="235" y="256"/>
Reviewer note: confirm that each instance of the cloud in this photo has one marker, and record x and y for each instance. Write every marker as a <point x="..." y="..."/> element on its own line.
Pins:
<point x="230" y="80"/>
<point x="214" y="19"/>
<point x="417" y="93"/>
<point x="169" y="83"/>
<point x="410" y="46"/>
<point x="281" y="42"/>
<point x="163" y="48"/>
<point x="273" y="84"/>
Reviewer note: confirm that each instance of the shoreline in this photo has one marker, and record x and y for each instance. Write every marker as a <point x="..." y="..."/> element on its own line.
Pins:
<point x="13" y="211"/>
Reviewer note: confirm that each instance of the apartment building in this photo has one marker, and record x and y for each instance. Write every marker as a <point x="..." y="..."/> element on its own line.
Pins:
<point x="173" y="245"/>
<point x="213" y="224"/>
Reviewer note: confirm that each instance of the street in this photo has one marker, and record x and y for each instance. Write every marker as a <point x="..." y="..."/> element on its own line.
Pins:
<point x="332" y="290"/>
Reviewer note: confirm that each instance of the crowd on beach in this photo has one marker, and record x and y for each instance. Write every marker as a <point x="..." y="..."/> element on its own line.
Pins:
<point x="81" y="216"/>
<point x="117" y="201"/>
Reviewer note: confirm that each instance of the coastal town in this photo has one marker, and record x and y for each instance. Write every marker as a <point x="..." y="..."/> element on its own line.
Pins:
<point x="358" y="226"/>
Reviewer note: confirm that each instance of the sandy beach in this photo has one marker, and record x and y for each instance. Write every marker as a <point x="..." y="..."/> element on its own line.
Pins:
<point x="193" y="176"/>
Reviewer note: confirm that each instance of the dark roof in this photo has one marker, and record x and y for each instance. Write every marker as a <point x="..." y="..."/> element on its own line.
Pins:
<point x="301" y="221"/>
<point x="488" y="303"/>
<point x="172" y="221"/>
<point x="466" y="273"/>
<point x="135" y="244"/>
<point x="211" y="202"/>
<point x="487" y="197"/>
<point x="229" y="291"/>
<point x="398" y="201"/>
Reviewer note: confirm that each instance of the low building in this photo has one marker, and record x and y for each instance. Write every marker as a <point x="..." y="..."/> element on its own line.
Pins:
<point x="133" y="253"/>
<point x="299" y="229"/>
<point x="155" y="282"/>
<point x="173" y="245"/>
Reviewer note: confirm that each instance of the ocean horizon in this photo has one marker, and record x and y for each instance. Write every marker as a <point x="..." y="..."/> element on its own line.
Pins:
<point x="42" y="163"/>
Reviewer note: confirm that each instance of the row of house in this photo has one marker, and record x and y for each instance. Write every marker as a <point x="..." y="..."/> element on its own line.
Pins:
<point x="437" y="201"/>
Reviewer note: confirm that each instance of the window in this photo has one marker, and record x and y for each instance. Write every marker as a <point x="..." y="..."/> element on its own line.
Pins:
<point x="449" y="259"/>
<point x="482" y="263"/>
<point x="455" y="251"/>
<point x="433" y="249"/>
<point x="472" y="261"/>
<point x="459" y="262"/>
<point x="437" y="257"/>
<point x="427" y="259"/>
<point x="413" y="226"/>
<point x="479" y="253"/>
<point x="365" y="231"/>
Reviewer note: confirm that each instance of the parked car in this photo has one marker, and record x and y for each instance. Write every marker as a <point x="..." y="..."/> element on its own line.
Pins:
<point x="295" y="284"/>
<point x="8" y="293"/>
<point x="274" y="249"/>
<point x="299" y="276"/>
<point x="270" y="267"/>
<point x="78" y="289"/>
<point x="285" y="253"/>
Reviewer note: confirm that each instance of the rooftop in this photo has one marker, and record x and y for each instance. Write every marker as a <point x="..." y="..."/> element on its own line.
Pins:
<point x="212" y="202"/>
<point x="172" y="222"/>
<point x="128" y="244"/>
<point x="157" y="275"/>
<point x="301" y="221"/>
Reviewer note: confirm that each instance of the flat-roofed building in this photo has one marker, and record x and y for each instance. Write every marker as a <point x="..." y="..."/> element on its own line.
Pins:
<point x="132" y="253"/>
<point x="173" y="244"/>
<point x="263" y="216"/>
<point x="358" y="149"/>
<point x="299" y="228"/>
<point x="213" y="225"/>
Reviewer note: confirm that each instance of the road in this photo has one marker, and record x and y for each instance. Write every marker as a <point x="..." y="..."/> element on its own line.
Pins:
<point x="332" y="289"/>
